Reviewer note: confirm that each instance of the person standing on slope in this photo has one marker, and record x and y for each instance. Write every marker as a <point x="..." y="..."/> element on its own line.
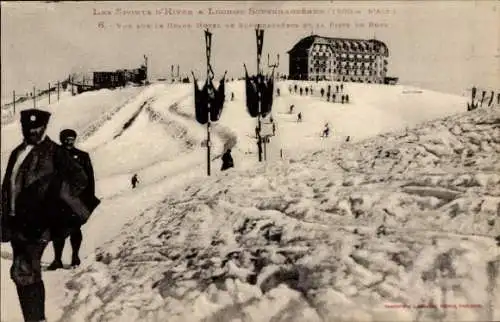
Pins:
<point x="134" y="181"/>
<point x="227" y="160"/>
<point x="41" y="178"/>
<point x="67" y="138"/>
<point x="326" y="131"/>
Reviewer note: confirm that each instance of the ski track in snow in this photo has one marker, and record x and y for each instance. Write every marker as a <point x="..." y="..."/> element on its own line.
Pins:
<point x="228" y="137"/>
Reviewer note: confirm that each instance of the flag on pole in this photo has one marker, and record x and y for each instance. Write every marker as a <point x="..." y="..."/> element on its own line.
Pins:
<point x="200" y="106"/>
<point x="252" y="97"/>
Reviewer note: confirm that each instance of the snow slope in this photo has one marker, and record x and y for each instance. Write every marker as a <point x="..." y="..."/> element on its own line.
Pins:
<point x="153" y="133"/>
<point x="75" y="112"/>
<point x="297" y="240"/>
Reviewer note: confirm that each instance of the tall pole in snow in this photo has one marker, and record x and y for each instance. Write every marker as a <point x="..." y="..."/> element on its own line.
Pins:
<point x="259" y="33"/>
<point x="146" y="65"/>
<point x="208" y="43"/>
<point x="34" y="97"/>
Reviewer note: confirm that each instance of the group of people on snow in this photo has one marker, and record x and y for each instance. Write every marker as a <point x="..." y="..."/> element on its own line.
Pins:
<point x="338" y="94"/>
<point x="48" y="193"/>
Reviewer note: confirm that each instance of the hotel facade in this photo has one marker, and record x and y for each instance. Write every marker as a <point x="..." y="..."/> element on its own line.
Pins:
<point x="338" y="59"/>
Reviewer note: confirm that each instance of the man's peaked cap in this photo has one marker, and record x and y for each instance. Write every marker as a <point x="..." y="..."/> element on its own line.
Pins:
<point x="34" y="118"/>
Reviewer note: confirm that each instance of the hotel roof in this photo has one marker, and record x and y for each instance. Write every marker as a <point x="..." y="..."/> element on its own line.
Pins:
<point x="344" y="44"/>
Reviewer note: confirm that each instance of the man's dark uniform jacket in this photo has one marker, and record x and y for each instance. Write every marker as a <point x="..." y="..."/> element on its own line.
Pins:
<point x="88" y="194"/>
<point x="50" y="187"/>
<point x="83" y="159"/>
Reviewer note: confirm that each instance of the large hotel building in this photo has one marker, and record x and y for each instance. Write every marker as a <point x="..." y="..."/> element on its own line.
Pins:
<point x="339" y="59"/>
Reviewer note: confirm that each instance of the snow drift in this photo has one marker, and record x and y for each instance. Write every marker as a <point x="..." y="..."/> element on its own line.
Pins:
<point x="396" y="227"/>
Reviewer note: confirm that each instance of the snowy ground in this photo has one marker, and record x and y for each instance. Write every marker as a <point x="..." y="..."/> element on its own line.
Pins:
<point x="293" y="239"/>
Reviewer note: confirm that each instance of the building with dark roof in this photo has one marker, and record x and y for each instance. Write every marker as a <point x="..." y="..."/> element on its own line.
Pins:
<point x="338" y="59"/>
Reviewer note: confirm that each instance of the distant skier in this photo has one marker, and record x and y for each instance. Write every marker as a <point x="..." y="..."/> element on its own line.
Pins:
<point x="274" y="128"/>
<point x="278" y="91"/>
<point x="348" y="138"/>
<point x="299" y="117"/>
<point x="342" y="87"/>
<point x="333" y="97"/>
<point x="343" y="99"/>
<point x="227" y="160"/>
<point x="326" y="131"/>
<point x="134" y="181"/>
<point x="328" y="96"/>
<point x="300" y="91"/>
<point x="307" y="90"/>
<point x="322" y="92"/>
<point x="337" y="88"/>
<point x="232" y="96"/>
<point x="291" y="108"/>
<point x="347" y="98"/>
<point x="295" y="87"/>
<point x="311" y="90"/>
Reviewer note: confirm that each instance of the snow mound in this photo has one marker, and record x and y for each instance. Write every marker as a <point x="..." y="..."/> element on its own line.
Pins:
<point x="78" y="112"/>
<point x="396" y="227"/>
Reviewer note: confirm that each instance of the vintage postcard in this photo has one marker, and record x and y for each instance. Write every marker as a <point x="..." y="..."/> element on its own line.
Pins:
<point x="250" y="161"/>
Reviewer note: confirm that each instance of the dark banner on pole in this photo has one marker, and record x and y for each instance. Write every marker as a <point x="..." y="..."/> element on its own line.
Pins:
<point x="252" y="95"/>
<point x="267" y="95"/>
<point x="209" y="95"/>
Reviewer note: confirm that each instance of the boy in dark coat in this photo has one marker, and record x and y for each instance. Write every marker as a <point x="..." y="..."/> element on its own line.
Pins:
<point x="67" y="138"/>
<point x="41" y="179"/>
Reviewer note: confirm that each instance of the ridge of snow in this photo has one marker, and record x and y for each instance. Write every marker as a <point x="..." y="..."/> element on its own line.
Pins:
<point x="298" y="240"/>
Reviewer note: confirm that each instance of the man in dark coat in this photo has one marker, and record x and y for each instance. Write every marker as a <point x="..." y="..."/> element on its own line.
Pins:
<point x="67" y="138"/>
<point x="40" y="180"/>
<point x="227" y="160"/>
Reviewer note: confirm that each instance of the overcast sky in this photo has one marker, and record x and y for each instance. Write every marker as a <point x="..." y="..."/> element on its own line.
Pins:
<point x="441" y="45"/>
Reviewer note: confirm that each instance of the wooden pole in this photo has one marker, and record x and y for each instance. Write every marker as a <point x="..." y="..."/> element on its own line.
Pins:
<point x="208" y="44"/>
<point x="14" y="101"/>
<point x="58" y="91"/>
<point x="265" y="148"/>
<point x="49" y="93"/>
<point x="34" y="97"/>
<point x="208" y="141"/>
<point x="259" y="137"/>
